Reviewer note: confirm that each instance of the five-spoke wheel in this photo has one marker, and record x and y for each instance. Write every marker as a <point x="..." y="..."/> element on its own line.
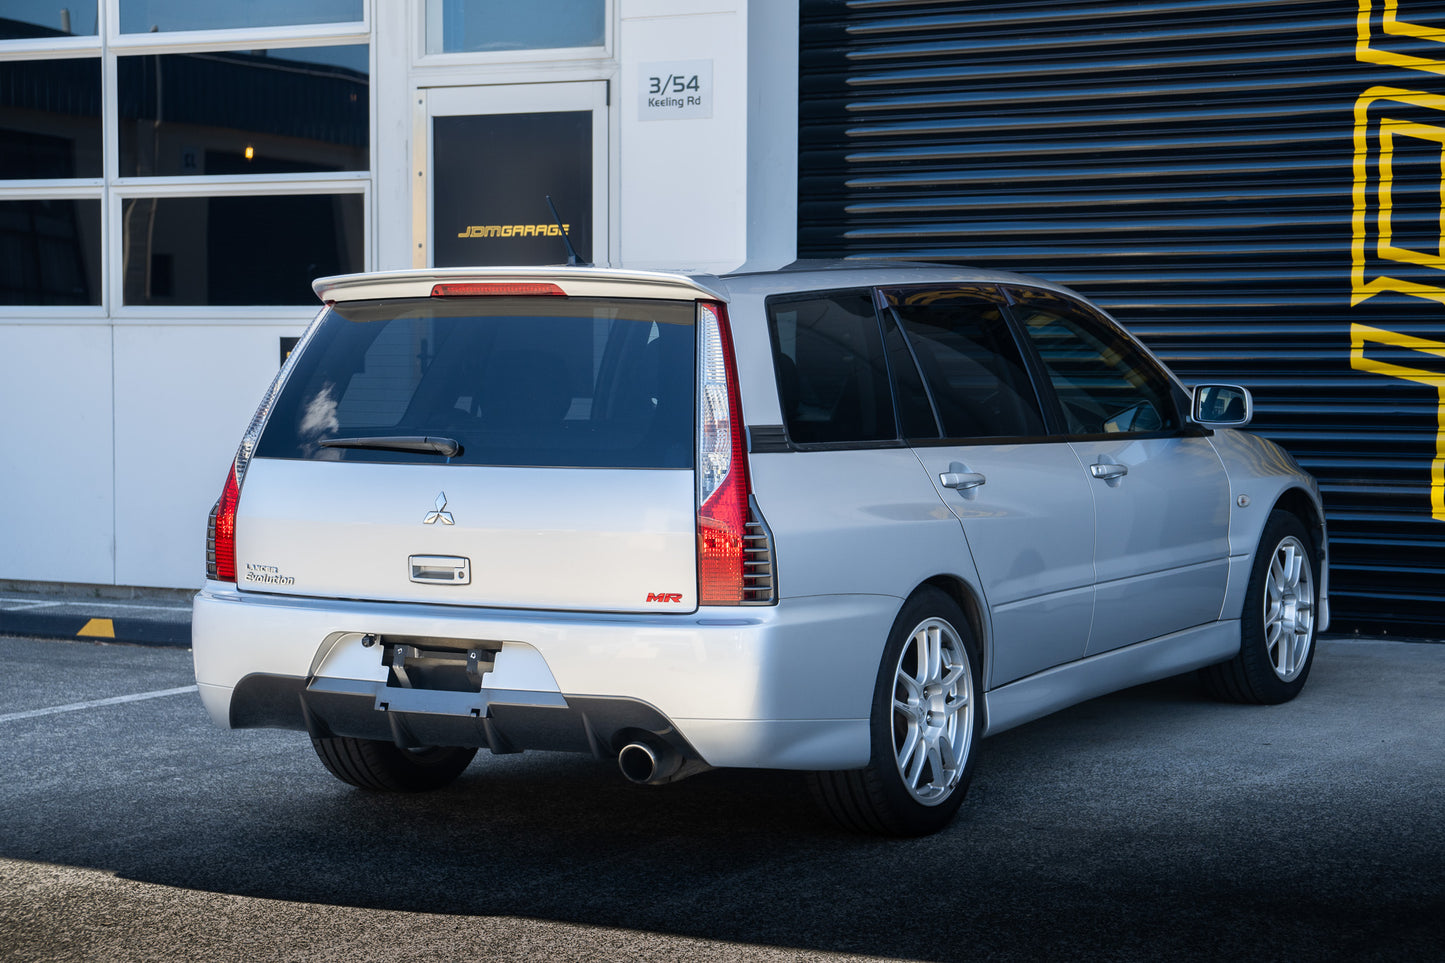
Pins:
<point x="1289" y="608"/>
<point x="933" y="703"/>
<point x="924" y="727"/>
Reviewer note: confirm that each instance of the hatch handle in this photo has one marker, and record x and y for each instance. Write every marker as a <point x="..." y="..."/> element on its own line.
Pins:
<point x="440" y="569"/>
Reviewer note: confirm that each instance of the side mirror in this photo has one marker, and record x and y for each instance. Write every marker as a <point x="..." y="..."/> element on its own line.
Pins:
<point x="1221" y="406"/>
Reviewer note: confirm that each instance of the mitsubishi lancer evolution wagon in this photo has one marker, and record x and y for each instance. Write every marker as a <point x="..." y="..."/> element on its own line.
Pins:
<point x="842" y="518"/>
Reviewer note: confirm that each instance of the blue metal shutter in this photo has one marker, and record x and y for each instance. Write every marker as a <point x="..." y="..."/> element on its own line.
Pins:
<point x="1253" y="188"/>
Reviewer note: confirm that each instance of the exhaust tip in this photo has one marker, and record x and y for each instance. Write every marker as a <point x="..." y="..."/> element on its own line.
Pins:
<point x="638" y="762"/>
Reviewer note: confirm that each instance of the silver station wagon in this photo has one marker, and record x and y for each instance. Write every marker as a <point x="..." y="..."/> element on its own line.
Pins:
<point x="843" y="518"/>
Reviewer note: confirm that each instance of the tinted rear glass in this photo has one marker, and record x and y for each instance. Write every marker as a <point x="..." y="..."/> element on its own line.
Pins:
<point x="832" y="376"/>
<point x="540" y="381"/>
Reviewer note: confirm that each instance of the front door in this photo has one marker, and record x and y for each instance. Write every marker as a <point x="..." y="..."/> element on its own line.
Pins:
<point x="493" y="155"/>
<point x="1160" y="492"/>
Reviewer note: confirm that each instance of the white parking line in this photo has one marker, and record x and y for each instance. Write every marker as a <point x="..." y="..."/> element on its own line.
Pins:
<point x="95" y="703"/>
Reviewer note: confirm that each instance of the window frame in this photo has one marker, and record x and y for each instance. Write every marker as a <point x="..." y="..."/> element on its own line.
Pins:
<point x="108" y="45"/>
<point x="562" y="56"/>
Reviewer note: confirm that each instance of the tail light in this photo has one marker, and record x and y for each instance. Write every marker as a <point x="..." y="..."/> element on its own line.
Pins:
<point x="734" y="546"/>
<point x="221" y="526"/>
<point x="221" y="532"/>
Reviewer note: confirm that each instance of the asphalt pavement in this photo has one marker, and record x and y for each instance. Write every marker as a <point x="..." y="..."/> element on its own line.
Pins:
<point x="1153" y="824"/>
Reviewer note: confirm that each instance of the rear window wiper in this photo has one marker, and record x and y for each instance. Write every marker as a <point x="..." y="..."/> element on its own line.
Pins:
<point x="426" y="444"/>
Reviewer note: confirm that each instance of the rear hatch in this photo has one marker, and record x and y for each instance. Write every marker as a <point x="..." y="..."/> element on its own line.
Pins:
<point x="531" y="451"/>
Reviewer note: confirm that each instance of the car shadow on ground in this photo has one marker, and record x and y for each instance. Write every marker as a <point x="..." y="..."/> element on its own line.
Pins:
<point x="1116" y="828"/>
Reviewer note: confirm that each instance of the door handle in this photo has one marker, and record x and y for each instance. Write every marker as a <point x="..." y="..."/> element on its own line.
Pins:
<point x="961" y="480"/>
<point x="1108" y="472"/>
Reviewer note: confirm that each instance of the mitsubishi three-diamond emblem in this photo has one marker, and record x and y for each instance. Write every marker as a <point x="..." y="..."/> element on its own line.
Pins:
<point x="434" y="516"/>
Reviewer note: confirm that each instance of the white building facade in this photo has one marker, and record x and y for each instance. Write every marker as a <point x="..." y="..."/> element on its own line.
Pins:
<point x="172" y="175"/>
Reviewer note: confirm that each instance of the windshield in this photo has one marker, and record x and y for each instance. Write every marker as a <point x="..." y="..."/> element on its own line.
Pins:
<point x="532" y="381"/>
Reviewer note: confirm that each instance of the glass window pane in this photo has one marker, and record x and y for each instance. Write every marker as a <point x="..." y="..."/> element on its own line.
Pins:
<point x="543" y="382"/>
<point x="832" y="376"/>
<point x="31" y="19"/>
<point x="50" y="118"/>
<point x="245" y="112"/>
<point x="249" y="249"/>
<point x="163" y="16"/>
<point x="973" y="367"/>
<point x="486" y="25"/>
<point x="1104" y="383"/>
<point x="50" y="252"/>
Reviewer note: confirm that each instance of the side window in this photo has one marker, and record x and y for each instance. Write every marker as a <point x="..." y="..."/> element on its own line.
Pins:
<point x="1104" y="383"/>
<point x="832" y="375"/>
<point x="973" y="367"/>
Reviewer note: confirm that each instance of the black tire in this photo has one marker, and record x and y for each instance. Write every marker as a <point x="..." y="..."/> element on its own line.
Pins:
<point x="381" y="766"/>
<point x="881" y="799"/>
<point x="1277" y="635"/>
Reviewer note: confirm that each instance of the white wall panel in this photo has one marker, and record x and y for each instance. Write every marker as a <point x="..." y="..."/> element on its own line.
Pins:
<point x="183" y="396"/>
<point x="710" y="193"/>
<point x="57" y="513"/>
<point x="684" y="181"/>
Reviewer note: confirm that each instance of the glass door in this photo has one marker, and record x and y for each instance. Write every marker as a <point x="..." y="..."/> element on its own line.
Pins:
<point x="494" y="155"/>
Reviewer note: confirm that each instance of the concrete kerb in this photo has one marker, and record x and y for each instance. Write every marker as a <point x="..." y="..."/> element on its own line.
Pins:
<point x="99" y="614"/>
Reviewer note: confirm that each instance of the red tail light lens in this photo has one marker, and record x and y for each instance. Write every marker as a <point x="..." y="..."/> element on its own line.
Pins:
<point x="722" y="468"/>
<point x="221" y="533"/>
<point x="495" y="289"/>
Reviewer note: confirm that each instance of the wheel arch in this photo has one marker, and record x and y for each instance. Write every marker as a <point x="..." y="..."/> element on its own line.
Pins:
<point x="970" y="600"/>
<point x="1298" y="503"/>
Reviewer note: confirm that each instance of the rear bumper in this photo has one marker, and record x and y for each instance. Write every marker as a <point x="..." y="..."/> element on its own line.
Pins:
<point x="787" y="686"/>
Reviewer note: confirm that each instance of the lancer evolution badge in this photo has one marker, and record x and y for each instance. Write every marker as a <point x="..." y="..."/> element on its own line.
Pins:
<point x="433" y="516"/>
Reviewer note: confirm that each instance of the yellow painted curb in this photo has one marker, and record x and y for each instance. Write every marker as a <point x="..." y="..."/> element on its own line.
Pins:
<point x="98" y="629"/>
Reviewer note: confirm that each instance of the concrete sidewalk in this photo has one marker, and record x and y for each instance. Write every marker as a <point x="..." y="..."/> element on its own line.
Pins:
<point x="140" y="621"/>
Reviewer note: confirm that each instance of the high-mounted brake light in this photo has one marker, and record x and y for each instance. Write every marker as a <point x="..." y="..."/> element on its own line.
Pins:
<point x="473" y="289"/>
<point x="722" y="466"/>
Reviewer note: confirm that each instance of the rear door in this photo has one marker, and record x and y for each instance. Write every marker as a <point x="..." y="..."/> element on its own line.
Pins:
<point x="1160" y="492"/>
<point x="1021" y="496"/>
<point x="571" y="486"/>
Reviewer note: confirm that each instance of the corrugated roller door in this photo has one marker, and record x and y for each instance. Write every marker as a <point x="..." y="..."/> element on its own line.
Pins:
<point x="1254" y="188"/>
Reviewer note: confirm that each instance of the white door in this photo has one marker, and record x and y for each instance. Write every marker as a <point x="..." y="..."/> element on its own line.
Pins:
<point x="493" y="155"/>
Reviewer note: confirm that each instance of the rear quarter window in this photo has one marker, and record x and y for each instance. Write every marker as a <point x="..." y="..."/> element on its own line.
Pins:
<point x="534" y="382"/>
<point x="832" y="375"/>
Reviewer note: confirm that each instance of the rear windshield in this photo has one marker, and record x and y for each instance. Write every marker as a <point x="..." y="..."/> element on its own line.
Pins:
<point x="539" y="381"/>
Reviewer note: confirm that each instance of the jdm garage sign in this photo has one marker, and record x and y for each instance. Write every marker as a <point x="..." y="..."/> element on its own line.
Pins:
<point x="492" y="174"/>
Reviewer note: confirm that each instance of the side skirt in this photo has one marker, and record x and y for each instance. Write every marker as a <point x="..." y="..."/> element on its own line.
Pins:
<point x="1065" y="685"/>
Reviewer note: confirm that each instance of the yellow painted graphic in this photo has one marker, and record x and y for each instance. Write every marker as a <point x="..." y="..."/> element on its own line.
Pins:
<point x="1387" y="121"/>
<point x="97" y="629"/>
<point x="1361" y="337"/>
<point x="1372" y="46"/>
<point x="1376" y="134"/>
<point x="514" y="230"/>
